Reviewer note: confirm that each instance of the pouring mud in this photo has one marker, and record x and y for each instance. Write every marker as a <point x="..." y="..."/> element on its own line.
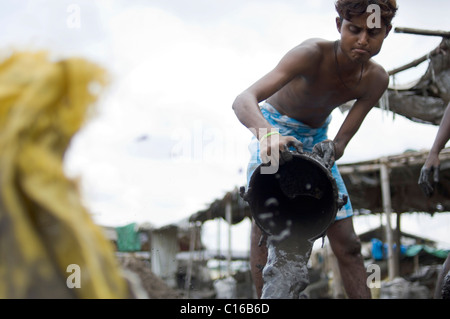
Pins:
<point x="293" y="208"/>
<point x="285" y="274"/>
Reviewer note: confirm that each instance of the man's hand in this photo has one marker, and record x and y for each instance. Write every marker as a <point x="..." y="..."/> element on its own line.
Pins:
<point x="431" y="166"/>
<point x="424" y="179"/>
<point x="326" y="151"/>
<point x="286" y="152"/>
<point x="281" y="144"/>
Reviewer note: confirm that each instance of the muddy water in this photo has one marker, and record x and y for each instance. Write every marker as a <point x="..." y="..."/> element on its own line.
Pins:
<point x="446" y="287"/>
<point x="286" y="274"/>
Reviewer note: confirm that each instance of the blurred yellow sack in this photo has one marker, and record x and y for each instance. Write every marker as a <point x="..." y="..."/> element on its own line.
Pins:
<point x="49" y="245"/>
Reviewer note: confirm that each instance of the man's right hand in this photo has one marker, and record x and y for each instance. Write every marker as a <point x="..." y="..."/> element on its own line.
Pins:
<point x="280" y="144"/>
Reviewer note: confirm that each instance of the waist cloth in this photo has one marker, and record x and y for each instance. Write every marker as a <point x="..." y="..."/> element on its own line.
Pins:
<point x="305" y="134"/>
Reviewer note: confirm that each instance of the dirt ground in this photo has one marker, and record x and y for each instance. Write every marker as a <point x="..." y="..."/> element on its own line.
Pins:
<point x="144" y="283"/>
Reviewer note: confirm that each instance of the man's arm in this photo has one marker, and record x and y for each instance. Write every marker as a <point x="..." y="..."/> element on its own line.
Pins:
<point x="376" y="86"/>
<point x="300" y="61"/>
<point x="432" y="163"/>
<point x="443" y="135"/>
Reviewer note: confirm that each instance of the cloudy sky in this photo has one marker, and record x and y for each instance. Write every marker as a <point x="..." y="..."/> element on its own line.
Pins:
<point x="165" y="142"/>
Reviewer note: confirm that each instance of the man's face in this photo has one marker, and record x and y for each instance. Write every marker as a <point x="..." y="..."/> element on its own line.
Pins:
<point x="359" y="41"/>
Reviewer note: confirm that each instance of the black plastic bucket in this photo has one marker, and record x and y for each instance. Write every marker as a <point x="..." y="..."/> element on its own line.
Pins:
<point x="301" y="196"/>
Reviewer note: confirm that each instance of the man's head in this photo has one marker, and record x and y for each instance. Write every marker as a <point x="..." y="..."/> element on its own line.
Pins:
<point x="347" y="9"/>
<point x="364" y="24"/>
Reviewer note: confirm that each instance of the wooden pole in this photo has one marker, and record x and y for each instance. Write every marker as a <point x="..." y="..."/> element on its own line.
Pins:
<point x="397" y="244"/>
<point x="435" y="33"/>
<point x="386" y="195"/>
<point x="442" y="47"/>
<point x="187" y="283"/>
<point x="416" y="263"/>
<point x="228" y="217"/>
<point x="219" y="239"/>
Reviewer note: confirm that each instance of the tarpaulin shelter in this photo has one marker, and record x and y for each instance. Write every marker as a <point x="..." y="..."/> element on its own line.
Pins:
<point x="414" y="250"/>
<point x="128" y="238"/>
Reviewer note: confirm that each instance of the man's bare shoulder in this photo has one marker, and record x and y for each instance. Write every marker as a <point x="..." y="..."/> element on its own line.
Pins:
<point x="314" y="46"/>
<point x="309" y="54"/>
<point x="376" y="72"/>
<point x="376" y="80"/>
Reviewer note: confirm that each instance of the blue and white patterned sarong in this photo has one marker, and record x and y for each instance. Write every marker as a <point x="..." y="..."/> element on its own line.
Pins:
<point x="305" y="134"/>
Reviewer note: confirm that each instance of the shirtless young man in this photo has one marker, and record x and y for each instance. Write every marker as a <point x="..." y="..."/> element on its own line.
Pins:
<point x="300" y="93"/>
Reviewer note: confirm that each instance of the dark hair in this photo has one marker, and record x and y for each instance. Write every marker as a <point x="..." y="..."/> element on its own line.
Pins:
<point x="347" y="9"/>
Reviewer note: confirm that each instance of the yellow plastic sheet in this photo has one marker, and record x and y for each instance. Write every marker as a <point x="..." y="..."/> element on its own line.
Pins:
<point x="49" y="245"/>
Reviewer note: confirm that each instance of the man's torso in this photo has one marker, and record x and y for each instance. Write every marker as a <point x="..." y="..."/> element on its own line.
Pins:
<point x="311" y="99"/>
